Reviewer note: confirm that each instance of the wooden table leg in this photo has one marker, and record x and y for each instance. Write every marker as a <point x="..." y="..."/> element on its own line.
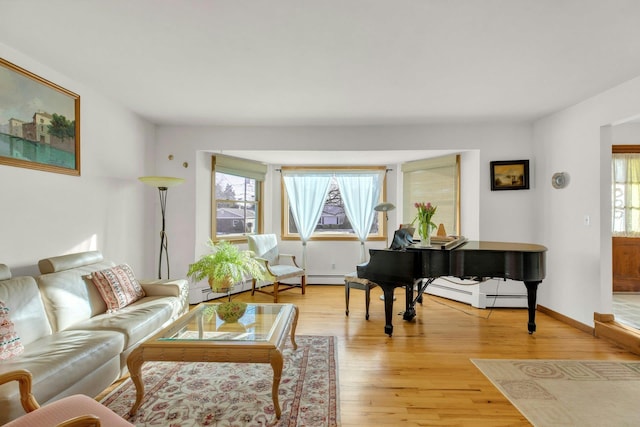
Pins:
<point x="277" y="364"/>
<point x="294" y="324"/>
<point x="346" y="297"/>
<point x="134" y="363"/>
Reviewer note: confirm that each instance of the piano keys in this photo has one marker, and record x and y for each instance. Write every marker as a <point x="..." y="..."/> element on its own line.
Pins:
<point x="479" y="260"/>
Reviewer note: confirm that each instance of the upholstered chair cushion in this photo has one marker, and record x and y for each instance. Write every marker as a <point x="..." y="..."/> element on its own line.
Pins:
<point x="65" y="409"/>
<point x="265" y="246"/>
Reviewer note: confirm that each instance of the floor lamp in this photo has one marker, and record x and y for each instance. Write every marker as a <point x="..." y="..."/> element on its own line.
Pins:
<point x="385" y="207"/>
<point x="162" y="183"/>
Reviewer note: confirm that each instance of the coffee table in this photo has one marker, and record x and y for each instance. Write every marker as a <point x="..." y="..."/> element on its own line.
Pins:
<point x="259" y="336"/>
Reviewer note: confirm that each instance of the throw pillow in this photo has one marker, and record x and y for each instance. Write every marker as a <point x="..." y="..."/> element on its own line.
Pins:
<point x="10" y="344"/>
<point x="117" y="286"/>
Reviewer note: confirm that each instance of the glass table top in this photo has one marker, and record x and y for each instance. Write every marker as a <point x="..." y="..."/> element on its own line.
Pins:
<point x="258" y="323"/>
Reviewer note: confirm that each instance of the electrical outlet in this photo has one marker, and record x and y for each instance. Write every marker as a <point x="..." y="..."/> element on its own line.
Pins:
<point x="333" y="265"/>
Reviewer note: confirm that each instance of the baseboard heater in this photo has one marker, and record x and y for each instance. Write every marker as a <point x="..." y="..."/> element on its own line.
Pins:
<point x="473" y="295"/>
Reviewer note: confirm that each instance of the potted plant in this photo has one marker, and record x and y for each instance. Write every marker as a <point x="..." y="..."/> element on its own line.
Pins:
<point x="223" y="267"/>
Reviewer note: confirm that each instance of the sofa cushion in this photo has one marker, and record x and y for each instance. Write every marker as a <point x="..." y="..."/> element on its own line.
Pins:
<point x="10" y="345"/>
<point x="28" y="315"/>
<point x="135" y="321"/>
<point x="117" y="286"/>
<point x="67" y="262"/>
<point x="5" y="273"/>
<point x="69" y="297"/>
<point x="59" y="361"/>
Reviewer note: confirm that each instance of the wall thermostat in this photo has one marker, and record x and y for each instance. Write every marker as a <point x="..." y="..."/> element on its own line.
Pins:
<point x="560" y="180"/>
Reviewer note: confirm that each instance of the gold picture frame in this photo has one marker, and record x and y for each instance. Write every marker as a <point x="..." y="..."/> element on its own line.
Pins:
<point x="39" y="122"/>
<point x="510" y="175"/>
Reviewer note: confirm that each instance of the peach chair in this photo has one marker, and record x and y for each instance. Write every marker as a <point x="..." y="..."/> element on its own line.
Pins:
<point x="72" y="411"/>
<point x="265" y="249"/>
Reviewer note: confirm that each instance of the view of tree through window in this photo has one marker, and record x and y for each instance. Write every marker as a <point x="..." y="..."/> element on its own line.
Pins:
<point x="236" y="204"/>
<point x="333" y="219"/>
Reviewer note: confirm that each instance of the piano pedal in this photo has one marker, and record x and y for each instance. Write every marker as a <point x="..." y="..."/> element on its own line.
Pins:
<point x="382" y="297"/>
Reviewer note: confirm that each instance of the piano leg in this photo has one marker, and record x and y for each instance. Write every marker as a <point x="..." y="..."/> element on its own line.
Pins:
<point x="532" y="293"/>
<point x="410" y="310"/>
<point x="388" y="309"/>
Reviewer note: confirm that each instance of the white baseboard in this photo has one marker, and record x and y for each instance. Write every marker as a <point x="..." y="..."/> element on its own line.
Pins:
<point x="200" y="292"/>
<point x="489" y="294"/>
<point x="328" y="279"/>
<point x="492" y="293"/>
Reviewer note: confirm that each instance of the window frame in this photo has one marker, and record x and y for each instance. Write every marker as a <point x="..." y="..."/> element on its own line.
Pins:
<point x="621" y="149"/>
<point x="328" y="236"/>
<point x="245" y="169"/>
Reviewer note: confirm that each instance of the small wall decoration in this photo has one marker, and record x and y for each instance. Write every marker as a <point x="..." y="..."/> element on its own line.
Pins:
<point x="560" y="180"/>
<point x="39" y="122"/>
<point x="510" y="175"/>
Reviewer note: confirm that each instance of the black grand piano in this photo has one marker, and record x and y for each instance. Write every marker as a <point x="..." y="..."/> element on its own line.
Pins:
<point x="460" y="258"/>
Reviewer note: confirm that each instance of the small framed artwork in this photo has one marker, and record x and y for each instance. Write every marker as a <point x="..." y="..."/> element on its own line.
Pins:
<point x="510" y="175"/>
<point x="39" y="122"/>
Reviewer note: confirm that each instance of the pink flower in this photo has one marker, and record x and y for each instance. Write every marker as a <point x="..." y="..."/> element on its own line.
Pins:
<point x="425" y="213"/>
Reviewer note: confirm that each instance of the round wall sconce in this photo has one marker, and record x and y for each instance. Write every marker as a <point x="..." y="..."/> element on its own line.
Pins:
<point x="560" y="180"/>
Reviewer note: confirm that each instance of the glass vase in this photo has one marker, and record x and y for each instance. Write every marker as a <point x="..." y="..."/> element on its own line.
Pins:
<point x="424" y="230"/>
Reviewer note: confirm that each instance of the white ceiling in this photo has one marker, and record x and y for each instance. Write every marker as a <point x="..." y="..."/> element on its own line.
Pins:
<point x="296" y="62"/>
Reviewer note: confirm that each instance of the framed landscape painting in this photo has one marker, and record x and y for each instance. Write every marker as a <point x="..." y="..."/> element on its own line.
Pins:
<point x="39" y="122"/>
<point x="510" y="175"/>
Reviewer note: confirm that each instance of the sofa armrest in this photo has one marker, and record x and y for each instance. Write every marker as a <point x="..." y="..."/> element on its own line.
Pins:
<point x="158" y="287"/>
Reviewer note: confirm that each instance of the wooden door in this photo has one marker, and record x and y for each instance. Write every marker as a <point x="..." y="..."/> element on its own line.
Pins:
<point x="626" y="264"/>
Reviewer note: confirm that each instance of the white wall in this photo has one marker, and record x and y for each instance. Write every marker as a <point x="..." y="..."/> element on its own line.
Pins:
<point x="46" y="214"/>
<point x="626" y="134"/>
<point x="487" y="215"/>
<point x="578" y="141"/>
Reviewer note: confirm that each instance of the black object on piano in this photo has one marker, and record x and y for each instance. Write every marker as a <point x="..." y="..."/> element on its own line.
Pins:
<point x="402" y="238"/>
<point x="412" y="264"/>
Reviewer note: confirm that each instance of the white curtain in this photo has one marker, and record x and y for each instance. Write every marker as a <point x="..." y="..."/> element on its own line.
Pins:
<point x="360" y="194"/>
<point x="626" y="194"/>
<point x="307" y="193"/>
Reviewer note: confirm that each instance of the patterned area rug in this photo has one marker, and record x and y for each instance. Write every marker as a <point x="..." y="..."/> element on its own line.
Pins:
<point x="569" y="392"/>
<point x="235" y="394"/>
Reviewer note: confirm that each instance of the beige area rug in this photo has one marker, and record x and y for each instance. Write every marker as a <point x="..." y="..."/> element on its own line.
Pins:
<point x="237" y="394"/>
<point x="569" y="392"/>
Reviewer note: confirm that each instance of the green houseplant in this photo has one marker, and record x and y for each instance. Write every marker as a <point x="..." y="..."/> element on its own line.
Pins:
<point x="225" y="266"/>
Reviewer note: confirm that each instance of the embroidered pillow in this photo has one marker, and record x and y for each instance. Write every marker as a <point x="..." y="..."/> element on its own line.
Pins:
<point x="117" y="286"/>
<point x="10" y="344"/>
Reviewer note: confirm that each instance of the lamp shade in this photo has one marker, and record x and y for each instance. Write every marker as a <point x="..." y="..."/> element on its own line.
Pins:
<point x="384" y="207"/>
<point x="161" y="181"/>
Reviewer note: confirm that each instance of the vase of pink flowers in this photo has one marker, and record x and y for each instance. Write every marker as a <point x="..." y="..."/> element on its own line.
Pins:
<point x="425" y="223"/>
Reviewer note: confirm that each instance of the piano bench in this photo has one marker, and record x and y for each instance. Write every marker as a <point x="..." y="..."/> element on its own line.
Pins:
<point x="353" y="281"/>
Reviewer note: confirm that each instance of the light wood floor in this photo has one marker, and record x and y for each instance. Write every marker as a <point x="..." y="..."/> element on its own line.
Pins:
<point x="423" y="375"/>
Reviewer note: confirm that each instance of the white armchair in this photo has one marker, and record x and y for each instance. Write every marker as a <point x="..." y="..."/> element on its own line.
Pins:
<point x="278" y="266"/>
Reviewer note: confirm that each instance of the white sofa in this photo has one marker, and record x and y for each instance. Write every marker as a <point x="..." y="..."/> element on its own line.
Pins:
<point x="71" y="343"/>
